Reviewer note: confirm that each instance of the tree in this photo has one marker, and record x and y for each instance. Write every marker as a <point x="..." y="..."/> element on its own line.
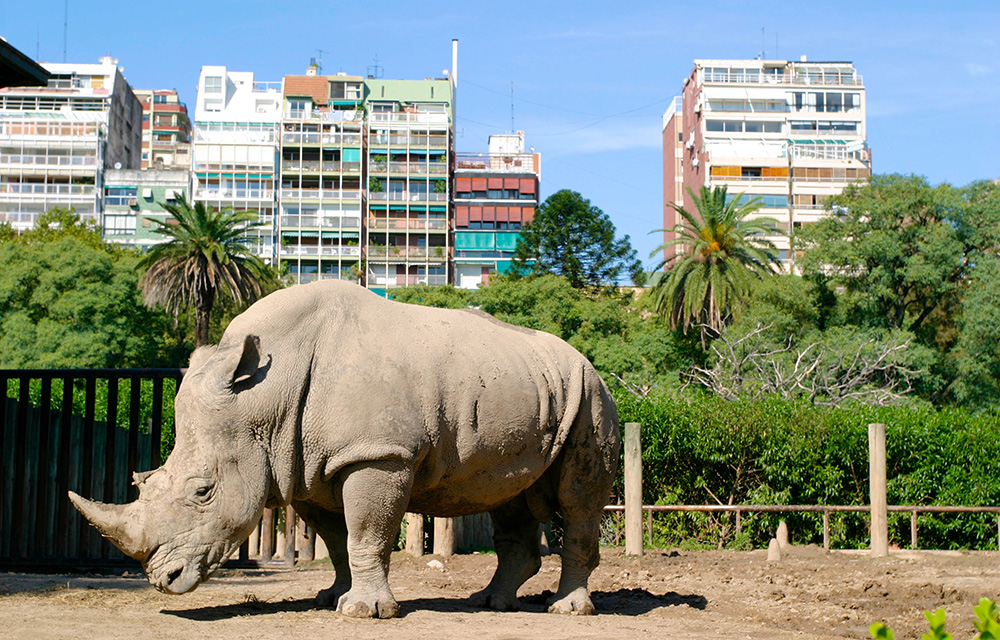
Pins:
<point x="899" y="250"/>
<point x="574" y="239"/>
<point x="723" y="254"/>
<point x="205" y="254"/>
<point x="69" y="300"/>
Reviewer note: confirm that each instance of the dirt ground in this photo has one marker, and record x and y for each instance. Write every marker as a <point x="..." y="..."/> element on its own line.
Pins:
<point x="666" y="594"/>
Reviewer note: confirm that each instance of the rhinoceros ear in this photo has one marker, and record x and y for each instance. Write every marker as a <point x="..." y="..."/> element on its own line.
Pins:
<point x="241" y="364"/>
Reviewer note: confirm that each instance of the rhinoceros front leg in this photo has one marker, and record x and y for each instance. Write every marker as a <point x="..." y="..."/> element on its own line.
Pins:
<point x="375" y="497"/>
<point x="332" y="527"/>
<point x="516" y="539"/>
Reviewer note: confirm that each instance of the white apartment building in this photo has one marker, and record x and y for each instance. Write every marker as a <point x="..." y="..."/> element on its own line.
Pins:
<point x="235" y="147"/>
<point x="789" y="133"/>
<point x="56" y="141"/>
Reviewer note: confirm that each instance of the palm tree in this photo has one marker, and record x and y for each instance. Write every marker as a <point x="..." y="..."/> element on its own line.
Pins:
<point x="723" y="253"/>
<point x="206" y="253"/>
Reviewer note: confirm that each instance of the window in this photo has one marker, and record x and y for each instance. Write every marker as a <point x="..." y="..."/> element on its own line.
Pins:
<point x="119" y="225"/>
<point x="159" y="99"/>
<point x="298" y="107"/>
<point x="119" y="196"/>
<point x="213" y="84"/>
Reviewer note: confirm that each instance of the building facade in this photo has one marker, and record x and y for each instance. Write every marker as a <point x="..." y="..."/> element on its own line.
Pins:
<point x="133" y="203"/>
<point x="495" y="194"/>
<point x="166" y="130"/>
<point x="235" y="149"/>
<point x="57" y="141"/>
<point x="789" y="133"/>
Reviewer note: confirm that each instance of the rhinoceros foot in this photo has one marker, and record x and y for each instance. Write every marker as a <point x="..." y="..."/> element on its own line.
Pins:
<point x="489" y="599"/>
<point x="330" y="596"/>
<point x="357" y="603"/>
<point x="576" y="603"/>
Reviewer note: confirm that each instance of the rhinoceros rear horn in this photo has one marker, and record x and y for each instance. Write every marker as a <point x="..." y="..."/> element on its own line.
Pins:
<point x="117" y="522"/>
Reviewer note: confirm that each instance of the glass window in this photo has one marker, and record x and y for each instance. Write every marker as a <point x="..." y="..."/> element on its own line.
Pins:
<point x="213" y="84"/>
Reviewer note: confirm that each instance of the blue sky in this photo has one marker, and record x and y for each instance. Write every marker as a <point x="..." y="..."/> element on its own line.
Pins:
<point x="590" y="79"/>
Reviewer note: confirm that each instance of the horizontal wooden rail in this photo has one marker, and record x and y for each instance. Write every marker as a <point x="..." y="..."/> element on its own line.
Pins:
<point x="826" y="510"/>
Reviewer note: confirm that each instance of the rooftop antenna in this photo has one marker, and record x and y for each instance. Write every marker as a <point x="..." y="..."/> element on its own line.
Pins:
<point x="375" y="70"/>
<point x="763" y="55"/>
<point x="65" y="28"/>
<point x="512" y="106"/>
<point x="319" y="61"/>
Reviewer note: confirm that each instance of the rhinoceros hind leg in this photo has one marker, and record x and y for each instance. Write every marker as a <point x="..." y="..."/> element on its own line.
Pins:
<point x="375" y="497"/>
<point x="585" y="476"/>
<point x="332" y="527"/>
<point x="516" y="539"/>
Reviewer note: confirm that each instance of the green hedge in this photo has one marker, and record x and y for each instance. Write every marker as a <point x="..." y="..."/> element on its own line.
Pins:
<point x="706" y="450"/>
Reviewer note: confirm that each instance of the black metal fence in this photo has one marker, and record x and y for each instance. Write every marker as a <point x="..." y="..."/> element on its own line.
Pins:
<point x="85" y="430"/>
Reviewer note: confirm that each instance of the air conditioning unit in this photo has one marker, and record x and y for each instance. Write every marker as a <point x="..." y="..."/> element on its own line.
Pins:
<point x="689" y="144"/>
<point x="695" y="162"/>
<point x="697" y="108"/>
<point x="132" y="202"/>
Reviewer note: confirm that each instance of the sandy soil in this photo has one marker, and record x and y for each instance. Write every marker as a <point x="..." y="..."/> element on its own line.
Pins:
<point x="671" y="594"/>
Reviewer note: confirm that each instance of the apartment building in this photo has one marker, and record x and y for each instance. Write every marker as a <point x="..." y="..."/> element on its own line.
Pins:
<point x="495" y="194"/>
<point x="133" y="203"/>
<point x="791" y="133"/>
<point x="166" y="130"/>
<point x="235" y="148"/>
<point x="408" y="146"/>
<point x="57" y="141"/>
<point x="322" y="194"/>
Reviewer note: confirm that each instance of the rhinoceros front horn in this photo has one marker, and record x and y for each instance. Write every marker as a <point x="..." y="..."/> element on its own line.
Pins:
<point x="119" y="523"/>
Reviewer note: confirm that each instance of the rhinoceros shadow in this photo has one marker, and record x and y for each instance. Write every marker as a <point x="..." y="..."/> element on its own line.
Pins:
<point x="629" y="602"/>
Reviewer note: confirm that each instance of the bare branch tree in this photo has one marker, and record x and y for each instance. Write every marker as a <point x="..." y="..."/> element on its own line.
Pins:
<point x="753" y="366"/>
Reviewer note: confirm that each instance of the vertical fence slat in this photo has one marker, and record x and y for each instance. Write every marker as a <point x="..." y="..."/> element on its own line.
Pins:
<point x="42" y="535"/>
<point x="88" y="541"/>
<point x="135" y="400"/>
<point x="267" y="536"/>
<point x="156" y="427"/>
<point x="110" y="433"/>
<point x="4" y="498"/>
<point x="65" y="428"/>
<point x="17" y="547"/>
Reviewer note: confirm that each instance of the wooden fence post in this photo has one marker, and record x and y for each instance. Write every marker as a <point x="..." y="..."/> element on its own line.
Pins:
<point x="290" y="536"/>
<point x="415" y="534"/>
<point x="267" y="536"/>
<point x="877" y="476"/>
<point x="444" y="536"/>
<point x="633" y="489"/>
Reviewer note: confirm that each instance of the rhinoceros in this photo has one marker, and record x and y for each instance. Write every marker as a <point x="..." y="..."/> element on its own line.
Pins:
<point x="355" y="409"/>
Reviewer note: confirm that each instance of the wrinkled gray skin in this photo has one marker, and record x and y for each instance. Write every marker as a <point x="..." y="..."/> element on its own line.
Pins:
<point x="354" y="410"/>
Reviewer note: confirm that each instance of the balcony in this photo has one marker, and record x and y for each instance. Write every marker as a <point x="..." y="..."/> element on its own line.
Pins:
<point x="407" y="252"/>
<point x="327" y="251"/>
<point x="496" y="163"/>
<point x="315" y="137"/>
<point x="383" y="139"/>
<point x="234" y="194"/>
<point x="411" y="168"/>
<point x="753" y="76"/>
<point x="405" y="196"/>
<point x="409" y="118"/>
<point x="48" y="189"/>
<point x="316" y="166"/>
<point x="402" y="224"/>
<point x="327" y="222"/>
<point x="321" y="194"/>
<point x="48" y="161"/>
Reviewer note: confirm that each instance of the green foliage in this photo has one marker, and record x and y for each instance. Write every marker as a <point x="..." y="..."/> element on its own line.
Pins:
<point x="986" y="624"/>
<point x="572" y="238"/>
<point x="722" y="254"/>
<point x="69" y="300"/>
<point x="443" y="296"/>
<point x="936" y="621"/>
<point x="977" y="354"/>
<point x="705" y="450"/>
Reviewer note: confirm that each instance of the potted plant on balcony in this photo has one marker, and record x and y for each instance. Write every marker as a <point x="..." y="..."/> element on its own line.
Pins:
<point x="440" y="186"/>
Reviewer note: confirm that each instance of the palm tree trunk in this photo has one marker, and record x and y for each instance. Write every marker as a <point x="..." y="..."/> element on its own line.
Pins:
<point x="204" y="301"/>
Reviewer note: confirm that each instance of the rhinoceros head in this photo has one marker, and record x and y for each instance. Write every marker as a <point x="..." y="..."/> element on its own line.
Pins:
<point x="196" y="509"/>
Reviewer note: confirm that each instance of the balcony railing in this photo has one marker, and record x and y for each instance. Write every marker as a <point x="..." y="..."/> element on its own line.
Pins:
<point x="329" y="222"/>
<point x="48" y="189"/>
<point x="424" y="118"/>
<point x="506" y="163"/>
<point x="432" y="168"/>
<point x="322" y="194"/>
<point x="266" y="87"/>
<point x="321" y="250"/>
<point x="234" y="194"/>
<point x="408" y="223"/>
<point x="404" y="252"/>
<point x="831" y="78"/>
<point x="315" y="166"/>
<point x="381" y="139"/>
<point x="50" y="161"/>
<point x="406" y="196"/>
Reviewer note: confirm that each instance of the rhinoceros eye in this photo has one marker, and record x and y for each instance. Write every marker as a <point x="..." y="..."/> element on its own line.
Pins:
<point x="202" y="492"/>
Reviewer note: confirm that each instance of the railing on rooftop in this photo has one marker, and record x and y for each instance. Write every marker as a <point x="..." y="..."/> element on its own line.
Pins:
<point x="496" y="162"/>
